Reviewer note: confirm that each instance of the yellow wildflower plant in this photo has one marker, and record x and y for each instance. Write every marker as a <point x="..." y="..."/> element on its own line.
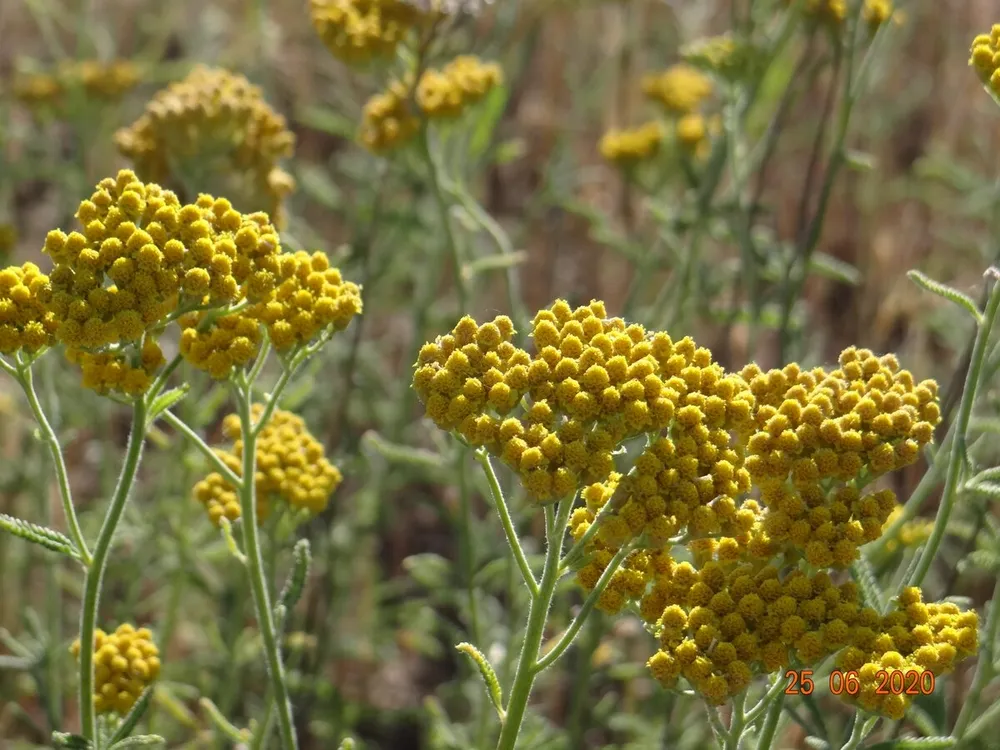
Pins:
<point x="679" y="90"/>
<point x="911" y="534"/>
<point x="291" y="466"/>
<point x="126" y="662"/>
<point x="26" y="323"/>
<point x="831" y="13"/>
<point x="629" y="147"/>
<point x="358" y="31"/>
<point x="38" y="90"/>
<point x="986" y="58"/>
<point x="213" y="129"/>
<point x="446" y="93"/>
<point x="389" y="120"/>
<point x="105" y="81"/>
<point x="761" y="477"/>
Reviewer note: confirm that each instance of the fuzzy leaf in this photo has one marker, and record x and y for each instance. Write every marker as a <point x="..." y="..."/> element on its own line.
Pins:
<point x="489" y="676"/>
<point x="71" y="741"/>
<point x="992" y="489"/>
<point x="42" y="535"/>
<point x="834" y="268"/>
<point x="428" y="569"/>
<point x="166" y="400"/>
<point x="139" y="740"/>
<point x="347" y="744"/>
<point x="132" y="717"/>
<point x="817" y="743"/>
<point x="983" y="559"/>
<point x="861" y="569"/>
<point x="292" y="591"/>
<point x="949" y="293"/>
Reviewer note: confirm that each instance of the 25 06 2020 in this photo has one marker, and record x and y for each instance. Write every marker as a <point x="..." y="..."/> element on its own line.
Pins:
<point x="884" y="682"/>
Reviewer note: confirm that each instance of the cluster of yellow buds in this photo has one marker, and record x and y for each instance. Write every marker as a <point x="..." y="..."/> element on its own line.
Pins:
<point x="291" y="466"/>
<point x="100" y="81"/>
<point x="680" y="89"/>
<point x="910" y="534"/>
<point x="913" y="638"/>
<point x="213" y="129"/>
<point x="143" y="260"/>
<point x="392" y="117"/>
<point x="877" y="12"/>
<point x="828" y="12"/>
<point x="461" y="83"/>
<point x="629" y="147"/>
<point x="126" y="662"/>
<point x="757" y="593"/>
<point x="819" y="434"/>
<point x="25" y="320"/>
<point x="986" y="58"/>
<point x="721" y="54"/>
<point x="357" y="31"/>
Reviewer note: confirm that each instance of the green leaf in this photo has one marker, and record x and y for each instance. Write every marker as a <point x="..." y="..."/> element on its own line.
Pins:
<point x="403" y="454"/>
<point x="327" y="121"/>
<point x="428" y="569"/>
<point x="490" y="111"/>
<point x="982" y="559"/>
<point x="496" y="262"/>
<point x="41" y="535"/>
<point x="347" y="744"/>
<point x="817" y="743"/>
<point x="489" y="676"/>
<point x="71" y="741"/>
<point x="132" y="717"/>
<point x="833" y="268"/>
<point x="166" y="400"/>
<point x="292" y="591"/>
<point x="949" y="293"/>
<point x="862" y="572"/>
<point x="509" y="151"/>
<point x="140" y="740"/>
<point x="859" y="161"/>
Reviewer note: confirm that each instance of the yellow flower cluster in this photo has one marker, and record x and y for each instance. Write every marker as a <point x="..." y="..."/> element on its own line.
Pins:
<point x="125" y="663"/>
<point x="102" y="81"/>
<point x="914" y="637"/>
<point x="291" y="466"/>
<point x="392" y="117"/>
<point x="629" y="147"/>
<point x="310" y="297"/>
<point x="718" y="54"/>
<point x="986" y="57"/>
<point x="818" y="433"/>
<point x="829" y="12"/>
<point x="876" y="12"/>
<point x="461" y="83"/>
<point x="911" y="533"/>
<point x="106" y="372"/>
<point x="219" y="344"/>
<point x="25" y="321"/>
<point x="214" y="128"/>
<point x="680" y="89"/>
<point x="357" y="31"/>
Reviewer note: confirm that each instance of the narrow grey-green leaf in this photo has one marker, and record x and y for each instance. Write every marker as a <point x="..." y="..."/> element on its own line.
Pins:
<point x="871" y="593"/>
<point x="292" y="591"/>
<point x="489" y="676"/>
<point x="132" y="717"/>
<point x="992" y="489"/>
<point x="166" y="400"/>
<point x="71" y="741"/>
<point x="949" y="293"/>
<point x="139" y="740"/>
<point x="834" y="268"/>
<point x="41" y="535"/>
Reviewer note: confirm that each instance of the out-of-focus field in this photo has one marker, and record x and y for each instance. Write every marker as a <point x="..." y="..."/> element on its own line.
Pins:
<point x="370" y="648"/>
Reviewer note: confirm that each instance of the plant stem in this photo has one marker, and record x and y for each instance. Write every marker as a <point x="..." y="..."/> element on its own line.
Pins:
<point x="95" y="571"/>
<point x="508" y="524"/>
<point x="766" y="737"/>
<point x="527" y="668"/>
<point x="181" y="426"/>
<point x="984" y="670"/>
<point x="51" y="441"/>
<point x="736" y="723"/>
<point x="958" y="450"/>
<point x="255" y="565"/>
<point x="434" y="171"/>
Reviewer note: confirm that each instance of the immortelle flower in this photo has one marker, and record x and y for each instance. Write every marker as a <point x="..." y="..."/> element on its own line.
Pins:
<point x="986" y="58"/>
<point x="213" y="129"/>
<point x="291" y="466"/>
<point x="142" y="259"/>
<point x="629" y="147"/>
<point x="357" y="31"/>
<point x="756" y="593"/>
<point x="25" y="321"/>
<point x="680" y="89"/>
<point x="391" y="118"/>
<point x="126" y="662"/>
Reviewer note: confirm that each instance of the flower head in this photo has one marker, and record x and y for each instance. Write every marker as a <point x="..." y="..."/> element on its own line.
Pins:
<point x="126" y="662"/>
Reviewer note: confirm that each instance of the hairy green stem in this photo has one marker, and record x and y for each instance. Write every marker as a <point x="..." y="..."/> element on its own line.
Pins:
<point x="958" y="450"/>
<point x="255" y="566"/>
<point x="538" y="610"/>
<point x="766" y="737"/>
<point x="588" y="606"/>
<point x="737" y="723"/>
<point x="195" y="439"/>
<point x="51" y="440"/>
<point x="434" y="170"/>
<point x="508" y="524"/>
<point x="98" y="564"/>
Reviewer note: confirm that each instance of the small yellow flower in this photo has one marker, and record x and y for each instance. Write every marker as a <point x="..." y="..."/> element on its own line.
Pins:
<point x="629" y="147"/>
<point x="126" y="662"/>
<point x="680" y="89"/>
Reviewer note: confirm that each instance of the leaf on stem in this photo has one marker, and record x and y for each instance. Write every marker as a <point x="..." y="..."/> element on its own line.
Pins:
<point x="71" y="741"/>
<point x="489" y="676"/>
<point x="949" y="293"/>
<point x="41" y="535"/>
<point x="132" y="717"/>
<point x="140" y="740"/>
<point x="292" y="590"/>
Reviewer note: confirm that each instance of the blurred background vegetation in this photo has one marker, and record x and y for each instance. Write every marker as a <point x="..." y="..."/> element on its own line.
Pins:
<point x="371" y="647"/>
